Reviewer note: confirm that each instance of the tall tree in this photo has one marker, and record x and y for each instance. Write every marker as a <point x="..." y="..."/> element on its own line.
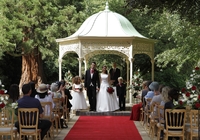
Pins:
<point x="29" y="29"/>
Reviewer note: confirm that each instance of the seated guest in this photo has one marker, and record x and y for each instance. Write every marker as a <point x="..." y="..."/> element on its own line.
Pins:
<point x="28" y="102"/>
<point x="43" y="96"/>
<point x="157" y="96"/>
<point x="173" y="95"/>
<point x="13" y="93"/>
<point x="156" y="100"/>
<point x="154" y="86"/>
<point x="145" y="90"/>
<point x="34" y="92"/>
<point x="55" y="90"/>
<point x="62" y="85"/>
<point x="164" y="97"/>
<point x="135" y="113"/>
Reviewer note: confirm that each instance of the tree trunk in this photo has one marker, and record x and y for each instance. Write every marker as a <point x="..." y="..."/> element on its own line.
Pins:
<point x="32" y="68"/>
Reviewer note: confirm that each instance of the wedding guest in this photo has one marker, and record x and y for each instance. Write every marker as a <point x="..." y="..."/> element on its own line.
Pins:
<point x="157" y="96"/>
<point x="28" y="102"/>
<point x="173" y="95"/>
<point x="121" y="93"/>
<point x="67" y="93"/>
<point x="43" y="96"/>
<point x="154" y="86"/>
<point x="13" y="93"/>
<point x="156" y="100"/>
<point x="164" y="97"/>
<point x="55" y="92"/>
<point x="145" y="89"/>
<point x="78" y="101"/>
<point x="58" y="91"/>
<point x="135" y="113"/>
<point x="34" y="92"/>
<point x="114" y="74"/>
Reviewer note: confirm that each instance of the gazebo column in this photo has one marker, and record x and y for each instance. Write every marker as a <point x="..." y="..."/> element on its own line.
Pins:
<point x="85" y="62"/>
<point x="131" y="77"/>
<point x="60" y="69"/>
<point x="80" y="66"/>
<point x="128" y="75"/>
<point x="152" y="69"/>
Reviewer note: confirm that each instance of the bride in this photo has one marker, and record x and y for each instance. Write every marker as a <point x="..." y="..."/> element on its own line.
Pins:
<point x="105" y="101"/>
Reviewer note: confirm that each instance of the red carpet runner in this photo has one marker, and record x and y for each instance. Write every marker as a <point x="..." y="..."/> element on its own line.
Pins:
<point x="104" y="128"/>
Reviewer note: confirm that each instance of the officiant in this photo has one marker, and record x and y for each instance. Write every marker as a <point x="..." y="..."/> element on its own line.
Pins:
<point x="114" y="74"/>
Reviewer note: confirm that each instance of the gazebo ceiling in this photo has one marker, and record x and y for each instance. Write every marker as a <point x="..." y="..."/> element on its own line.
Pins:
<point x="103" y="24"/>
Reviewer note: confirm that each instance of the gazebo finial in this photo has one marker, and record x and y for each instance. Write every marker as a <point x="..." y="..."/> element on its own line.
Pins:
<point x="107" y="6"/>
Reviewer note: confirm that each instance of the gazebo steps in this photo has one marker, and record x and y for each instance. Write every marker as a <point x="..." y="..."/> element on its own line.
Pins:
<point x="86" y="112"/>
<point x="92" y="113"/>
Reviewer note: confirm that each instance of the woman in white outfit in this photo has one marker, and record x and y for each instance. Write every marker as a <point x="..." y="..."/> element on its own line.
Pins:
<point x="43" y="96"/>
<point x="106" y="101"/>
<point x="78" y="100"/>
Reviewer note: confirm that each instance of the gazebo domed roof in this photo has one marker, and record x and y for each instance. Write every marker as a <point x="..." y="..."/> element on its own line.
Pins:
<point x="106" y="24"/>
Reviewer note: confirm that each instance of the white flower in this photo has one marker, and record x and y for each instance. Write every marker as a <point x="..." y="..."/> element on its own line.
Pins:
<point x="14" y="105"/>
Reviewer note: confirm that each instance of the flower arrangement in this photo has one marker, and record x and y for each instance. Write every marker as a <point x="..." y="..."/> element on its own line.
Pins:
<point x="68" y="79"/>
<point x="110" y="90"/>
<point x="4" y="99"/>
<point x="5" y="103"/>
<point x="136" y="81"/>
<point x="191" y="94"/>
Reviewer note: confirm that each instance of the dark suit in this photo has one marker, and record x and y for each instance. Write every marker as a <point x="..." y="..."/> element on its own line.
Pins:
<point x="114" y="75"/>
<point x="69" y="96"/>
<point x="121" y="93"/>
<point x="91" y="83"/>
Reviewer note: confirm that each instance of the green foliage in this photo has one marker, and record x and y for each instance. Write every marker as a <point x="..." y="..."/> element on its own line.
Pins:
<point x="188" y="9"/>
<point x="30" y="24"/>
<point x="170" y="77"/>
<point x="181" y="40"/>
<point x="26" y="25"/>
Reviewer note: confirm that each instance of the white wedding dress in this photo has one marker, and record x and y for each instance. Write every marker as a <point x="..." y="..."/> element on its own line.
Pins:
<point x="105" y="101"/>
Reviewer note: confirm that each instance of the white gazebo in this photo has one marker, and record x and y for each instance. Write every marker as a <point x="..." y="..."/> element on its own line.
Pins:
<point x="107" y="32"/>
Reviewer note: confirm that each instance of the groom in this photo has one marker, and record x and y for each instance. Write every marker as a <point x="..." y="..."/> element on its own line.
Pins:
<point x="92" y="84"/>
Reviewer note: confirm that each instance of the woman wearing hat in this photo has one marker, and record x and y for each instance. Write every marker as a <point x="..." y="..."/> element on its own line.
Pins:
<point x="43" y="96"/>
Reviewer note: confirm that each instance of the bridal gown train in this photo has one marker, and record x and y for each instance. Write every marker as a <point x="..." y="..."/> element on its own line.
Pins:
<point x="105" y="101"/>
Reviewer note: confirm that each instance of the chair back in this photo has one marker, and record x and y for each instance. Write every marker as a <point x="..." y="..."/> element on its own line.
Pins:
<point x="7" y="118"/>
<point x="193" y="123"/>
<point x="57" y="105"/>
<point x="65" y="109"/>
<point x="47" y="108"/>
<point x="160" y="112"/>
<point x="175" y="119"/>
<point x="28" y="118"/>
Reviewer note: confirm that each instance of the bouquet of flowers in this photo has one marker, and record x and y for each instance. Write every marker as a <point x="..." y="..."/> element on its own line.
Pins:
<point x="136" y="81"/>
<point x="136" y="85"/>
<point x="191" y="94"/>
<point x="110" y="90"/>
